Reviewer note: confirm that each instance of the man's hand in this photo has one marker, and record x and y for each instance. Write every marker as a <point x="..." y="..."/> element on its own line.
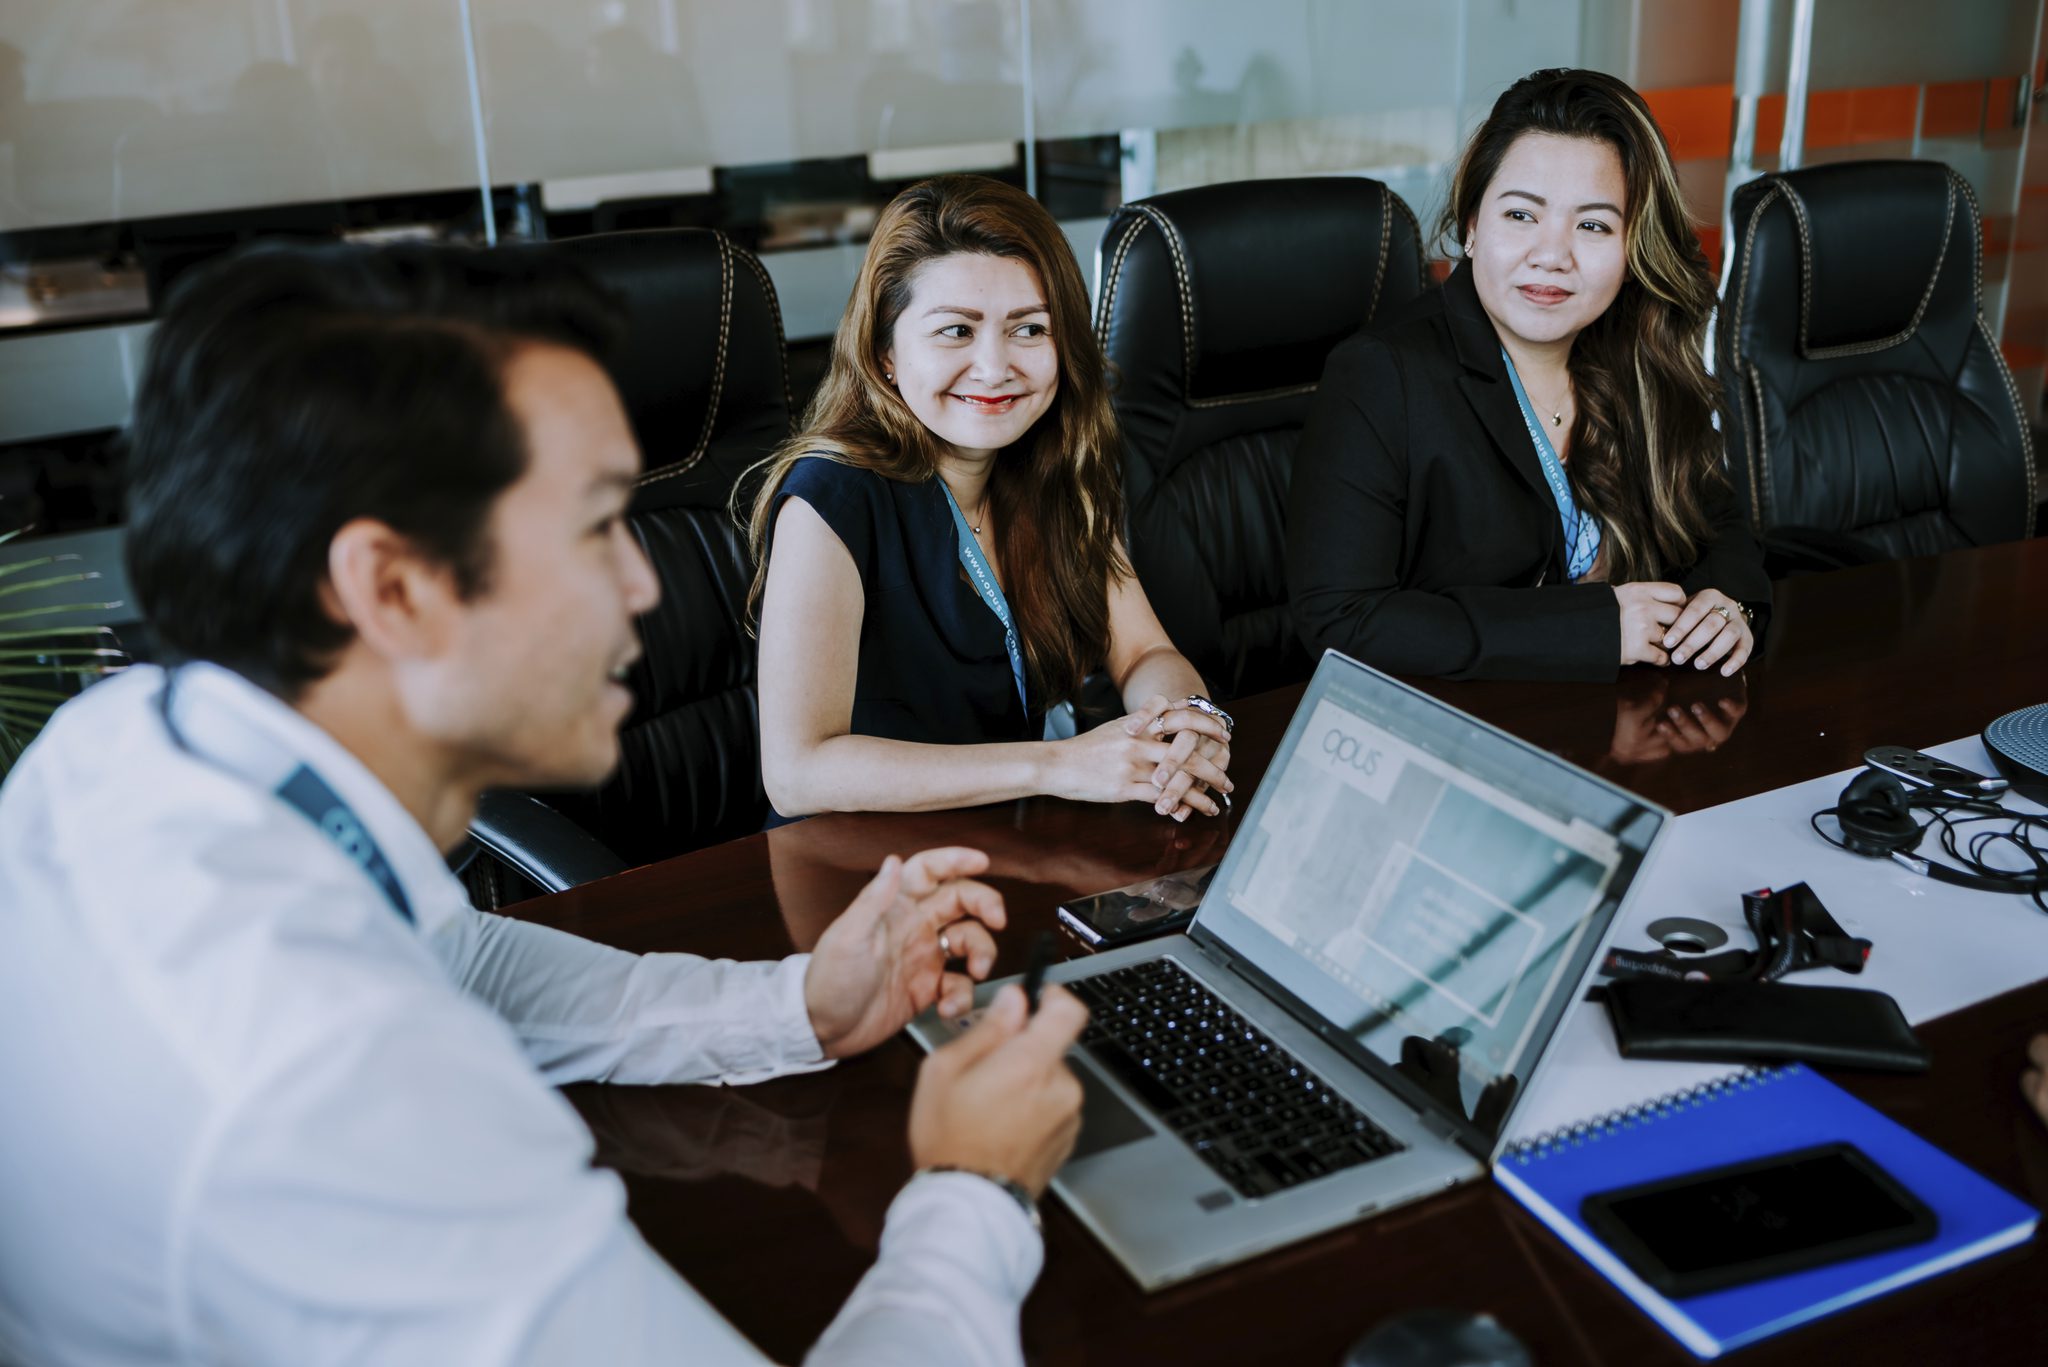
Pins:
<point x="1001" y="1100"/>
<point x="882" y="962"/>
<point x="2034" y="1081"/>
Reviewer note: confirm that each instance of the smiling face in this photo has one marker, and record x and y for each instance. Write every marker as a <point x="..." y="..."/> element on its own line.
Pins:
<point x="973" y="353"/>
<point x="530" y="687"/>
<point x="1546" y="244"/>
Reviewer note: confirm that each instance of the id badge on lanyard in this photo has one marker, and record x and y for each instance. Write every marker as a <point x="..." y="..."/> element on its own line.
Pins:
<point x="983" y="576"/>
<point x="1581" y="529"/>
<point x="306" y="793"/>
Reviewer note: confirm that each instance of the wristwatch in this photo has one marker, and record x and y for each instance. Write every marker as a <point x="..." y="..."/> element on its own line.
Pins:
<point x="1201" y="704"/>
<point x="1014" y="1189"/>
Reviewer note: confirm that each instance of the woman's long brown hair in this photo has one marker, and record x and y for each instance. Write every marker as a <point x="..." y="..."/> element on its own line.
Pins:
<point x="1645" y="455"/>
<point x="1056" y="494"/>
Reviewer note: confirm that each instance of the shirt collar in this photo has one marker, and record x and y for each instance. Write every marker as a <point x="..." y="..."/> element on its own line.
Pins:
<point x="232" y="722"/>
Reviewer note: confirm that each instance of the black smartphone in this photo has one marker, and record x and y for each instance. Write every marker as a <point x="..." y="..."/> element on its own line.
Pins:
<point x="1157" y="906"/>
<point x="1705" y="1231"/>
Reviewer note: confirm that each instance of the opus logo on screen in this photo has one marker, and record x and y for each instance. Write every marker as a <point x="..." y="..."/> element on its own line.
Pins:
<point x="1358" y="755"/>
<point x="1343" y="749"/>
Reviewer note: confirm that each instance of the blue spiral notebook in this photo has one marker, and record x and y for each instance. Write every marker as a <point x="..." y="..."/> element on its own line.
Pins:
<point x="1751" y="1115"/>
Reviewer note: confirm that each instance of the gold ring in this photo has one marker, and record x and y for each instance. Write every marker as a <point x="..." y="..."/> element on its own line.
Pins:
<point x="1727" y="614"/>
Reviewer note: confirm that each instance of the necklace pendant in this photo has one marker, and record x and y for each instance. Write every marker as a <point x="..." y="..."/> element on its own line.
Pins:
<point x="1557" y="419"/>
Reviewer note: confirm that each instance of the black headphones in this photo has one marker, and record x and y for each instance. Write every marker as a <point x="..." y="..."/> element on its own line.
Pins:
<point x="1875" y="814"/>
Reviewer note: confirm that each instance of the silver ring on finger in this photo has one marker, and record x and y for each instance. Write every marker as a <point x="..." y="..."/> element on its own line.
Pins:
<point x="1226" y="802"/>
<point x="945" y="947"/>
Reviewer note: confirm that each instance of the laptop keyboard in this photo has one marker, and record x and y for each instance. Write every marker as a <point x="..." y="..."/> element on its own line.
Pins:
<point x="1253" y="1111"/>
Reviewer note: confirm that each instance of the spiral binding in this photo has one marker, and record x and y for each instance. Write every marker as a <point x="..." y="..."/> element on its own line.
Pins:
<point x="1599" y="1127"/>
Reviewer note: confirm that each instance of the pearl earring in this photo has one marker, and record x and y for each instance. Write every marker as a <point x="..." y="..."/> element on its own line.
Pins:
<point x="890" y="376"/>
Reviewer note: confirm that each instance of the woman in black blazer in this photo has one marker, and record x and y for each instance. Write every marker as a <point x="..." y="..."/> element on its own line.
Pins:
<point x="1517" y="475"/>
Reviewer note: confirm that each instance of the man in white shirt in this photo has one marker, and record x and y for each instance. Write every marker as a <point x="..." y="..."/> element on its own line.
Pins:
<point x="274" y="1093"/>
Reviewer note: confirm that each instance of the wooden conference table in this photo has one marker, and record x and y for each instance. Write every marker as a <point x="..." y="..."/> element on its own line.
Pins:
<point x="770" y="1199"/>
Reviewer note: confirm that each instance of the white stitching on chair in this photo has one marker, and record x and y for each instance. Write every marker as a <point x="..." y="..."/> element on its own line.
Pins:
<point x="725" y="274"/>
<point x="1759" y="459"/>
<point x="1756" y="217"/>
<point x="1757" y="467"/>
<point x="1415" y="229"/>
<point x="1116" y="275"/>
<point x="1379" y="274"/>
<point x="1185" y="293"/>
<point x="753" y="263"/>
<point x="1813" y="353"/>
<point x="1184" y="289"/>
<point x="1976" y="238"/>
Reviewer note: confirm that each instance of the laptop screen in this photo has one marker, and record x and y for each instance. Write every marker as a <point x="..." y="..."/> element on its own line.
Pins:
<point x="1428" y="885"/>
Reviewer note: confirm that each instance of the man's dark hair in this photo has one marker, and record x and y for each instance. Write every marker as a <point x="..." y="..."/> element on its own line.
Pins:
<point x="291" y="390"/>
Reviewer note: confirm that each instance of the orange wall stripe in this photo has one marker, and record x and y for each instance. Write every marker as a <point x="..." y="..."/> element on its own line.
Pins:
<point x="1955" y="109"/>
<point x="1698" y="120"/>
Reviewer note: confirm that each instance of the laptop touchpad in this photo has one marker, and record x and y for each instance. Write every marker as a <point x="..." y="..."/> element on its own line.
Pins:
<point x="1106" y="1121"/>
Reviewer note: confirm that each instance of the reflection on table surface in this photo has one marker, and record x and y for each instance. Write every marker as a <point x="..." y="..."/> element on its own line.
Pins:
<point x="741" y="1189"/>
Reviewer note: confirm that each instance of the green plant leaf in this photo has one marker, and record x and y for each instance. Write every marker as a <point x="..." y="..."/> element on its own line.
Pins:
<point x="42" y="665"/>
<point x="18" y="614"/>
<point x="54" y="581"/>
<point x="44" y="634"/>
<point x="23" y="694"/>
<point x="34" y="564"/>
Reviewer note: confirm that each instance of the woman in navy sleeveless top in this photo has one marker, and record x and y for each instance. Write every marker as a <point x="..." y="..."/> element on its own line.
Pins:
<point x="940" y="549"/>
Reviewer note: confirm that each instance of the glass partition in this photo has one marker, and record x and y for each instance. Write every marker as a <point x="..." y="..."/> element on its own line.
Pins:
<point x="140" y="136"/>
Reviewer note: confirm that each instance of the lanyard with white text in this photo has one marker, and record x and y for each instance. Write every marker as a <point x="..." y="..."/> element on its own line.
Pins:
<point x="306" y="793"/>
<point x="1581" y="530"/>
<point x="984" y="580"/>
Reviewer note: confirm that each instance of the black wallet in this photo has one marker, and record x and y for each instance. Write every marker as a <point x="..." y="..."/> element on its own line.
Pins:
<point x="1740" y="1022"/>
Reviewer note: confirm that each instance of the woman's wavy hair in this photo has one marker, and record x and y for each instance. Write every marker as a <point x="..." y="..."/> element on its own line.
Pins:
<point x="1056" y="494"/>
<point x="1645" y="455"/>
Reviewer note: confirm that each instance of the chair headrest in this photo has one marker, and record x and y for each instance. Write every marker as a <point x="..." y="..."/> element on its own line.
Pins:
<point x="1241" y="289"/>
<point x="1874" y="241"/>
<point x="701" y="368"/>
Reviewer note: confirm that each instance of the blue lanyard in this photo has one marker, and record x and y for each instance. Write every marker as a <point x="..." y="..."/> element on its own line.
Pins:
<point x="306" y="793"/>
<point x="984" y="580"/>
<point x="1581" y="531"/>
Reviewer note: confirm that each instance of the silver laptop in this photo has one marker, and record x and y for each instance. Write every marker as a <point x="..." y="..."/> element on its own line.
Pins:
<point x="1398" y="929"/>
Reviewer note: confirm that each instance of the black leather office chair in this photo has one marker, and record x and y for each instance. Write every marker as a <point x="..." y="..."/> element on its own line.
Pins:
<point x="1872" y="416"/>
<point x="702" y="375"/>
<point x="1218" y="307"/>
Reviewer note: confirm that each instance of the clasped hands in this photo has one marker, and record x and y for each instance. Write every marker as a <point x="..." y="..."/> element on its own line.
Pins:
<point x="1166" y="754"/>
<point x="1661" y="625"/>
<point x="998" y="1100"/>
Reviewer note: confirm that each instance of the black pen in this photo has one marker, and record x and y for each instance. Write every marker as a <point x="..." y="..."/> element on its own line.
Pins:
<point x="1034" y="976"/>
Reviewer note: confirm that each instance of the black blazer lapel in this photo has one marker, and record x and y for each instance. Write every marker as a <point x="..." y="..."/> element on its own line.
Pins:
<point x="1485" y="386"/>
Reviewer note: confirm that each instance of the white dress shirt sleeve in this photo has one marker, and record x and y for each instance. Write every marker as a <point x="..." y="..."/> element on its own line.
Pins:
<point x="401" y="1190"/>
<point x="958" y="1257"/>
<point x="586" y="1012"/>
